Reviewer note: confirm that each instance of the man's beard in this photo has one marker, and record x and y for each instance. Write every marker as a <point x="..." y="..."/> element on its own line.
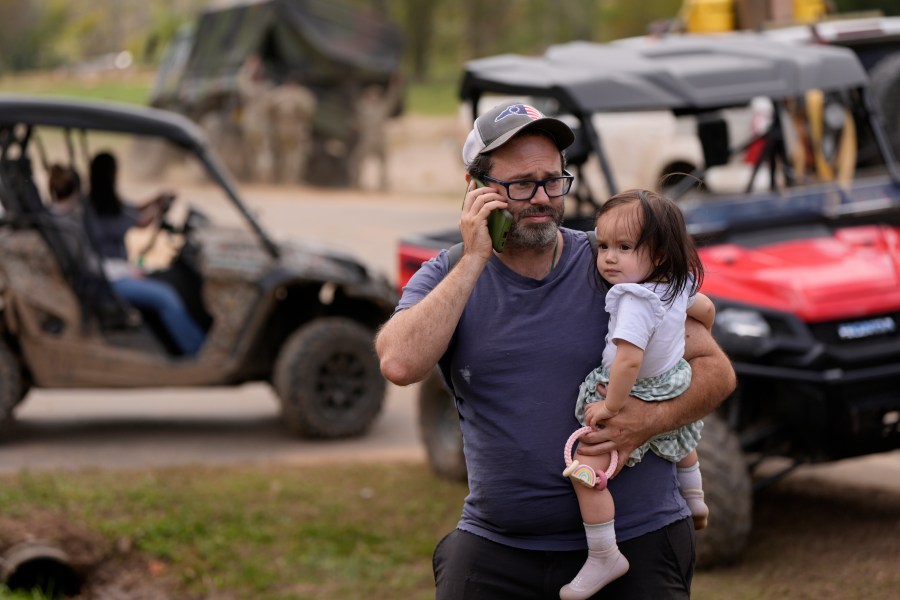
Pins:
<point x="535" y="235"/>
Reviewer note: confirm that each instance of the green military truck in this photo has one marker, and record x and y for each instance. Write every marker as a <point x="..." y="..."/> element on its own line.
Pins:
<point x="337" y="51"/>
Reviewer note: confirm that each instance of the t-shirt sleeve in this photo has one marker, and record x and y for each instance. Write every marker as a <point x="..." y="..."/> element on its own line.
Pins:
<point x="431" y="273"/>
<point x="638" y="313"/>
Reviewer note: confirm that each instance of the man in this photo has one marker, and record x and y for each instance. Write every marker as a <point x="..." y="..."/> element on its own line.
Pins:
<point x="515" y="333"/>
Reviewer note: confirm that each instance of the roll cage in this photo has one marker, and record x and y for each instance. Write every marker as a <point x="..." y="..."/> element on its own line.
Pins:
<point x="688" y="75"/>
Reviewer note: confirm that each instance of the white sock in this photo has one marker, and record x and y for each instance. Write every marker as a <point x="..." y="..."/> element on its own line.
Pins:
<point x="604" y="563"/>
<point x="602" y="536"/>
<point x="689" y="477"/>
<point x="691" y="485"/>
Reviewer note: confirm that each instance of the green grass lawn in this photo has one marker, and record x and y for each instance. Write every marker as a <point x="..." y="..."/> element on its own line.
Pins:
<point x="352" y="530"/>
<point x="342" y="531"/>
<point x="133" y="87"/>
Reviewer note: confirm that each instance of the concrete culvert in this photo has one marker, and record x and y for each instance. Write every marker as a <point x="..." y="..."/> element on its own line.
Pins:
<point x="39" y="565"/>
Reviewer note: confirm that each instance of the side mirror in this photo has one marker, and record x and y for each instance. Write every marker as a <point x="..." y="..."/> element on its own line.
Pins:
<point x="713" y="133"/>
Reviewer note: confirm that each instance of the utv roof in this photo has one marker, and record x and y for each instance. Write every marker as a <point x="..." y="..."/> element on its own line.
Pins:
<point x="101" y="116"/>
<point x="683" y="73"/>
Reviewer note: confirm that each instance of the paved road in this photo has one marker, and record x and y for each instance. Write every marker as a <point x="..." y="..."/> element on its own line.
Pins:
<point x="121" y="429"/>
<point x="115" y="429"/>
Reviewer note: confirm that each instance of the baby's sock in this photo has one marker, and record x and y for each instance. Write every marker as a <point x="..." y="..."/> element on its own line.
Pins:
<point x="604" y="563"/>
<point x="691" y="484"/>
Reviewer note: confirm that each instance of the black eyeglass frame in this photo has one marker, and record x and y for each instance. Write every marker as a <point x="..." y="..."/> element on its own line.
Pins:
<point x="538" y="183"/>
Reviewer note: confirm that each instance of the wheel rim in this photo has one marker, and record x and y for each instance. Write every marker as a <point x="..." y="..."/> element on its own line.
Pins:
<point x="340" y="384"/>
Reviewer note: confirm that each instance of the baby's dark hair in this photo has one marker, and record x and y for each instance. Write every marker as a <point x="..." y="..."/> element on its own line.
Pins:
<point x="664" y="236"/>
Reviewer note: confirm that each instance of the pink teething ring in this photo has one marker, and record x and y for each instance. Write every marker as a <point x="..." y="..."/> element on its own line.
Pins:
<point x="584" y="474"/>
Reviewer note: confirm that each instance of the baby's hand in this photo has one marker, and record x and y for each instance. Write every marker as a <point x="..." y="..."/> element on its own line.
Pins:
<point x="595" y="412"/>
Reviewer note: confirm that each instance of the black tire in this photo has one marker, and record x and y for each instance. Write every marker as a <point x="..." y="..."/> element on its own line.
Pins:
<point x="439" y="429"/>
<point x="12" y="387"/>
<point x="885" y="78"/>
<point x="328" y="379"/>
<point x="728" y="491"/>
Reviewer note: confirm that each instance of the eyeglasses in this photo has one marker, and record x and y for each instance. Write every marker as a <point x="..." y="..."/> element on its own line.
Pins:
<point x="525" y="189"/>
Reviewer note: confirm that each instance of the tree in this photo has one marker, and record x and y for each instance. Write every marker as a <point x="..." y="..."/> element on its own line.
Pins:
<point x="419" y="26"/>
<point x="19" y="45"/>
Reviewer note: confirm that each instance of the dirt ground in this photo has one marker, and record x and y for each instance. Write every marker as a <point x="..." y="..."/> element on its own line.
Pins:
<point x="49" y="543"/>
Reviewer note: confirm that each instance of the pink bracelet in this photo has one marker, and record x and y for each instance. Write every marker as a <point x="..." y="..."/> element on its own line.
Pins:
<point x="584" y="474"/>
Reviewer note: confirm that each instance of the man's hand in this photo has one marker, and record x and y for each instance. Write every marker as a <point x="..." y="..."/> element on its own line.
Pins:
<point x="712" y="380"/>
<point x="477" y="206"/>
<point x="623" y="432"/>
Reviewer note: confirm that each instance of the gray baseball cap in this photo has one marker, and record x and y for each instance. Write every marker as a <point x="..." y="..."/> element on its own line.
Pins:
<point x="498" y="125"/>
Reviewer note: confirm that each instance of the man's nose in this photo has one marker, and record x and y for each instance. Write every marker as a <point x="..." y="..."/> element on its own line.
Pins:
<point x="540" y="196"/>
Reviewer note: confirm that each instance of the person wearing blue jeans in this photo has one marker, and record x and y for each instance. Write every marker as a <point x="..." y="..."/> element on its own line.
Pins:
<point x="107" y="220"/>
<point x="145" y="293"/>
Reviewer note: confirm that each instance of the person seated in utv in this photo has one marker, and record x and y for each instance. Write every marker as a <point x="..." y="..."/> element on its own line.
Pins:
<point x="108" y="219"/>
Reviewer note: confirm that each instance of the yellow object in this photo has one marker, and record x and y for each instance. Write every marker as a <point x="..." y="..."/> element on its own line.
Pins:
<point x="809" y="11"/>
<point x="708" y="16"/>
<point x="843" y="164"/>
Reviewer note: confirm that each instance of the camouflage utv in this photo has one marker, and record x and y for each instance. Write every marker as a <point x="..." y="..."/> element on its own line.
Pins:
<point x="334" y="50"/>
<point x="297" y="316"/>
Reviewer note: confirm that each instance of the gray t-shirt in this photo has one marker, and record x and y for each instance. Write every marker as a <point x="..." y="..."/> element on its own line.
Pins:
<point x="520" y="351"/>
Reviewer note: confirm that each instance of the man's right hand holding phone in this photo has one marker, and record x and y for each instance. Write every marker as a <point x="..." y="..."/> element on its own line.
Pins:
<point x="479" y="202"/>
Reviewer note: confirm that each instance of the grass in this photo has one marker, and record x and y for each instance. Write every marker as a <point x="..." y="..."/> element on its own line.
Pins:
<point x="368" y="531"/>
<point x="261" y="532"/>
<point x="133" y="87"/>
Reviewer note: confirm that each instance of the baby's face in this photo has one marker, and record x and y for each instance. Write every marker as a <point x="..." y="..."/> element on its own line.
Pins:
<point x="617" y="258"/>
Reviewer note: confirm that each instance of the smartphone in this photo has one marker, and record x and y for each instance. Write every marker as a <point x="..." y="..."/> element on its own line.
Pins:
<point x="499" y="223"/>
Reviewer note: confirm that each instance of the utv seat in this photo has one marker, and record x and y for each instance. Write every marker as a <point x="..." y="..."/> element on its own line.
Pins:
<point x="95" y="295"/>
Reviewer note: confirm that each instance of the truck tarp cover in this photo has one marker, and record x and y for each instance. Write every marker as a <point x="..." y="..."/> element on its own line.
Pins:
<point x="321" y="39"/>
<point x="684" y="73"/>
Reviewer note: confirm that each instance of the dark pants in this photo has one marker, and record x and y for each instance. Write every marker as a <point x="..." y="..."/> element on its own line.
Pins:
<point x="469" y="567"/>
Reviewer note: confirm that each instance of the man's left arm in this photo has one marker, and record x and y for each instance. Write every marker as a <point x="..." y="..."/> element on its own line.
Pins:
<point x="712" y="381"/>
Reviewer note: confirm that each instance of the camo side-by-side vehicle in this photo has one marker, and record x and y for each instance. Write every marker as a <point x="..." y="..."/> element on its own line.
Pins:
<point x="299" y="316"/>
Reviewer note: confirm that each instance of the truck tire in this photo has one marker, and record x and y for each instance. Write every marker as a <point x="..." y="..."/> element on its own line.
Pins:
<point x="439" y="429"/>
<point x="12" y="387"/>
<point x="728" y="492"/>
<point x="885" y="77"/>
<point x="328" y="379"/>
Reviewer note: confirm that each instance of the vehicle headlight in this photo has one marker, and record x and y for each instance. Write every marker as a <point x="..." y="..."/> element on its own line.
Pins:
<point x="743" y="323"/>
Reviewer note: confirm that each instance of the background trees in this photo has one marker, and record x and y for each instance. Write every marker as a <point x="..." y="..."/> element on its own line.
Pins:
<point x="440" y="34"/>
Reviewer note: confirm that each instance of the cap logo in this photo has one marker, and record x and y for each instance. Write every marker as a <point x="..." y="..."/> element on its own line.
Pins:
<point x="519" y="109"/>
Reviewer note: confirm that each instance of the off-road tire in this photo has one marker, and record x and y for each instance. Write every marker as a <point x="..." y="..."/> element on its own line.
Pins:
<point x="728" y="491"/>
<point x="12" y="387"/>
<point x="885" y="78"/>
<point x="439" y="429"/>
<point x="328" y="379"/>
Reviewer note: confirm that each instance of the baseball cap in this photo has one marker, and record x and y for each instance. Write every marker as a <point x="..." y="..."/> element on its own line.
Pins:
<point x="498" y="125"/>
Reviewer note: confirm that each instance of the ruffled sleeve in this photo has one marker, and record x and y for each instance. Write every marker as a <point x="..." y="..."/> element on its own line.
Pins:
<point x="636" y="313"/>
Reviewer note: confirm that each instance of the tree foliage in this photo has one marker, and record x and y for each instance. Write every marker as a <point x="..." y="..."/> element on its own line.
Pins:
<point x="440" y="34"/>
